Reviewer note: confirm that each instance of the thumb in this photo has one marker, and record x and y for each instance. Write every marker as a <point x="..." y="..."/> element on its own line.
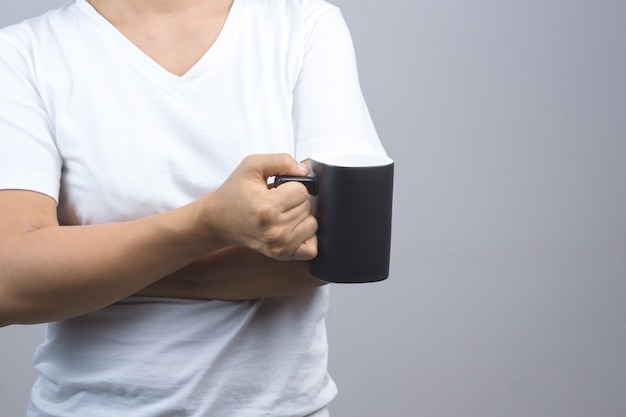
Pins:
<point x="269" y="165"/>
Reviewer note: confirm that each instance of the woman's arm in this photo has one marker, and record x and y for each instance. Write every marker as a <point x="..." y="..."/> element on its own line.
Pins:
<point x="50" y="272"/>
<point x="235" y="273"/>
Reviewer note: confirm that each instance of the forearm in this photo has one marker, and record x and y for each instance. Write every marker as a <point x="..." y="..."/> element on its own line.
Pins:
<point x="235" y="273"/>
<point x="50" y="272"/>
<point x="56" y="272"/>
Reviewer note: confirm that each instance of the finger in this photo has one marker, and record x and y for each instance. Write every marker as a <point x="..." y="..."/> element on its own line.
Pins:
<point x="306" y="251"/>
<point x="295" y="244"/>
<point x="268" y="165"/>
<point x="307" y="163"/>
<point x="292" y="196"/>
<point x="305" y="239"/>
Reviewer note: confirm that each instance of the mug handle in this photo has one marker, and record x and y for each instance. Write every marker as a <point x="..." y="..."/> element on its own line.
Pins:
<point x="309" y="182"/>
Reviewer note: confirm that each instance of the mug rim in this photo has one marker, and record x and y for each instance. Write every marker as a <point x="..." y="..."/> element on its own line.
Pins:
<point x="351" y="159"/>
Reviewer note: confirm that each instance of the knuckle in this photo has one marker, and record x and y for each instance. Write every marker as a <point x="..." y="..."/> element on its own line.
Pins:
<point x="284" y="158"/>
<point x="313" y="223"/>
<point x="302" y="193"/>
<point x="246" y="161"/>
<point x="277" y="254"/>
<point x="252" y="162"/>
<point x="249" y="158"/>
<point x="264" y="215"/>
<point x="272" y="238"/>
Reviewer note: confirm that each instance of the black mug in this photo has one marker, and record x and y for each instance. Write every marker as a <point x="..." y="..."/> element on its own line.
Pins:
<point x="352" y="202"/>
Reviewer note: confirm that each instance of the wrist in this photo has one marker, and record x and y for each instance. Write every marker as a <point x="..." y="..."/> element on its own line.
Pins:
<point x="208" y="222"/>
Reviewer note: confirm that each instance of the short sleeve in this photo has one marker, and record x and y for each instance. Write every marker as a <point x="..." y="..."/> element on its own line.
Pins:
<point x="29" y="158"/>
<point x="329" y="111"/>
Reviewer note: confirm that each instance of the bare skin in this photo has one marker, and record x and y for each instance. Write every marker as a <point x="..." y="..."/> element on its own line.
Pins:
<point x="174" y="33"/>
<point x="241" y="241"/>
<point x="235" y="273"/>
<point x="256" y="235"/>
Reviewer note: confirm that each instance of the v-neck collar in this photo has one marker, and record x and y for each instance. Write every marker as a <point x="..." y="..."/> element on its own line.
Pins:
<point x="182" y="84"/>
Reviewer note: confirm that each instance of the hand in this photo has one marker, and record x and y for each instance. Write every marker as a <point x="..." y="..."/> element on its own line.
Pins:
<point x="276" y="222"/>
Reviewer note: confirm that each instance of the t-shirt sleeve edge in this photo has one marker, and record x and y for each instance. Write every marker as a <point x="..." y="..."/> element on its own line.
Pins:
<point x="28" y="183"/>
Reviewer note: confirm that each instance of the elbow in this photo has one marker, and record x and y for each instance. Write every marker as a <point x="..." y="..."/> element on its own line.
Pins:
<point x="6" y="306"/>
<point x="12" y="316"/>
<point x="9" y="314"/>
<point x="4" y="322"/>
<point x="13" y="310"/>
<point x="7" y="317"/>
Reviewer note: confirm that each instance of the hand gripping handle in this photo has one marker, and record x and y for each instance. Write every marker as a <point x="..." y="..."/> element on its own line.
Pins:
<point x="309" y="182"/>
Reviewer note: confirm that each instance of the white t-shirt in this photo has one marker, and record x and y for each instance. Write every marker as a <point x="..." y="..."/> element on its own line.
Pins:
<point x="90" y="120"/>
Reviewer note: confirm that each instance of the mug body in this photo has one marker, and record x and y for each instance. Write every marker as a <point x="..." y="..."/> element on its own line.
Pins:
<point x="353" y="209"/>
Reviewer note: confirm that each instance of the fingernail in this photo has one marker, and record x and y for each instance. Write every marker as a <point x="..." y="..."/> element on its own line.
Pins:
<point x="303" y="168"/>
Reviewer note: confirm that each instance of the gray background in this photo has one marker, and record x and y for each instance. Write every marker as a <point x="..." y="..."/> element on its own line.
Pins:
<point x="507" y="296"/>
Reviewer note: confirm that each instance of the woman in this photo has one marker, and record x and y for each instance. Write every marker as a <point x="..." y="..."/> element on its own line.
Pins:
<point x="136" y="142"/>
